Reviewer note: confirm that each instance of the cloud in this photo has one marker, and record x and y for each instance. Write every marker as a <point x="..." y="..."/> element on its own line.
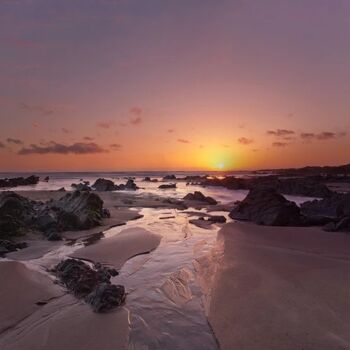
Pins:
<point x="116" y="146"/>
<point x="57" y="148"/>
<point x="88" y="138"/>
<point x="323" y="136"/>
<point x="35" y="125"/>
<point x="136" y="113"/>
<point x="280" y="144"/>
<point x="66" y="131"/>
<point x="244" y="141"/>
<point x="170" y="131"/>
<point x="105" y="125"/>
<point x="40" y="109"/>
<point x="183" y="141"/>
<point x="280" y="132"/>
<point x="14" y="141"/>
<point x="2" y="145"/>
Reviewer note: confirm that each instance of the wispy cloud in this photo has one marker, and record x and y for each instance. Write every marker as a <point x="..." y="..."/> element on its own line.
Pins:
<point x="136" y="113"/>
<point x="14" y="141"/>
<point x="170" y="131"/>
<point x="280" y="144"/>
<point x="183" y="141"/>
<point x="66" y="131"/>
<point x="323" y="136"/>
<point x="2" y="145"/>
<point x="116" y="146"/>
<point x="58" y="148"/>
<point x="105" y="124"/>
<point x="280" y="132"/>
<point x="245" y="141"/>
<point x="88" y="138"/>
<point x="39" y="109"/>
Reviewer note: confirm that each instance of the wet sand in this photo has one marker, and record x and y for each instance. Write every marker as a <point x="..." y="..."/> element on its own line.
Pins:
<point x="281" y="288"/>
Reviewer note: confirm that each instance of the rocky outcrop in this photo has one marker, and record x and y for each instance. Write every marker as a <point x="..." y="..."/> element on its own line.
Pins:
<point x="91" y="283"/>
<point x="148" y="179"/>
<point x="7" y="246"/>
<point x="200" y="197"/>
<point x="84" y="186"/>
<point x="104" y="185"/>
<point x="268" y="207"/>
<point x="309" y="187"/>
<point x="129" y="186"/>
<point x="74" y="211"/>
<point x="167" y="186"/>
<point x="336" y="208"/>
<point x="19" y="181"/>
<point x="169" y="177"/>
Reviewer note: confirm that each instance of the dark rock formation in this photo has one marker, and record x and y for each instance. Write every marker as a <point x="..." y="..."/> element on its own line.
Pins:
<point x="169" y="177"/>
<point x="62" y="189"/>
<point x="130" y="186"/>
<point x="200" y="197"/>
<point x="104" y="185"/>
<point x="19" y="181"/>
<point x="46" y="179"/>
<point x="93" y="284"/>
<point x="148" y="179"/>
<point x="81" y="187"/>
<point x="336" y="208"/>
<point x="292" y="186"/>
<point x="74" y="211"/>
<point x="220" y="219"/>
<point x="106" y="297"/>
<point x="268" y="207"/>
<point x="9" y="246"/>
<point x="167" y="186"/>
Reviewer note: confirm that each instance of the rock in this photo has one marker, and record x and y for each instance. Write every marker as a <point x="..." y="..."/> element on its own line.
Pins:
<point x="46" y="179"/>
<point x="104" y="185"/>
<point x="16" y="212"/>
<point x="268" y="207"/>
<point x="7" y="246"/>
<point x="167" y="186"/>
<point x="308" y="186"/>
<point x="335" y="208"/>
<point x="199" y="197"/>
<point x="78" y="277"/>
<point x="81" y="187"/>
<point x="217" y="219"/>
<point x="62" y="189"/>
<point x="106" y="297"/>
<point x="169" y="177"/>
<point x="148" y="179"/>
<point x="19" y="181"/>
<point x="93" y="284"/>
<point x="130" y="185"/>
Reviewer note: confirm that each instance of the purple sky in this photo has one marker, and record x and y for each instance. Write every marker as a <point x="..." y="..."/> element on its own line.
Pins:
<point x="180" y="84"/>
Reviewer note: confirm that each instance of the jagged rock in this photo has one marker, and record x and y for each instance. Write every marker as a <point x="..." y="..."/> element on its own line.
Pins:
<point x="78" y="277"/>
<point x="46" y="179"/>
<point x="267" y="207"/>
<point x="74" y="211"/>
<point x="93" y="284"/>
<point x="148" y="179"/>
<point x="106" y="296"/>
<point x="104" y="185"/>
<point x="19" y="181"/>
<point x="167" y="186"/>
<point x="335" y="208"/>
<point x="130" y="185"/>
<point x="200" y="197"/>
<point x="62" y="189"/>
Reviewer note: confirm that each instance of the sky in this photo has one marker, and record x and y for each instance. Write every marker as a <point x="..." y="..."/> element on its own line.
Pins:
<point x="90" y="85"/>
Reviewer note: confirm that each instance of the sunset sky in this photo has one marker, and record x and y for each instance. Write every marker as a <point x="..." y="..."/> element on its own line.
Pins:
<point x="173" y="84"/>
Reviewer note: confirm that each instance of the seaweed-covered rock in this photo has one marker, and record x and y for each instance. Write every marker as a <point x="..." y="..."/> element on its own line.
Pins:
<point x="200" y="197"/>
<point x="267" y="207"/>
<point x="106" y="296"/>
